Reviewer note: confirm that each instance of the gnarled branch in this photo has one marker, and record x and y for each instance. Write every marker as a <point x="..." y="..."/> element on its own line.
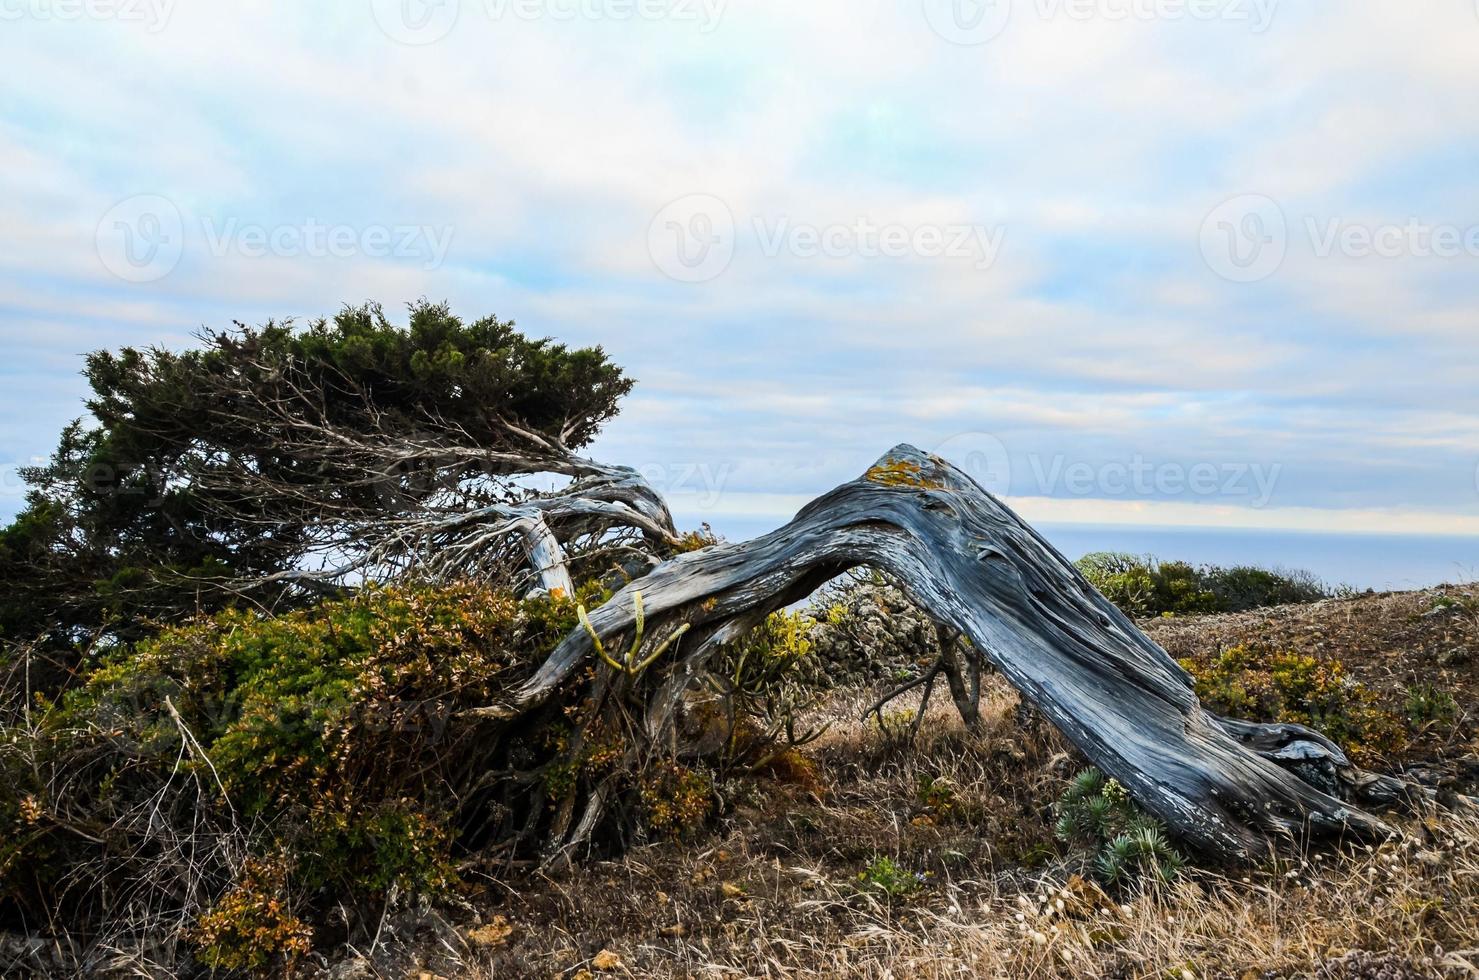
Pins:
<point x="973" y="565"/>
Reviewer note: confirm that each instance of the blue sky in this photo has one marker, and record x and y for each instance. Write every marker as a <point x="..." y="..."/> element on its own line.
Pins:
<point x="1149" y="262"/>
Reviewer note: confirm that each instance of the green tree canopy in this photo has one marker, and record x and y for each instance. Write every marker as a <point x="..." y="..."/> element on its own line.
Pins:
<point x="231" y="463"/>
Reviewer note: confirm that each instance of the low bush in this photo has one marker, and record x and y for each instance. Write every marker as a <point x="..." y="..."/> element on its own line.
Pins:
<point x="226" y="784"/>
<point x="771" y="683"/>
<point x="1146" y="586"/>
<point x="1428" y="704"/>
<point x="278" y="763"/>
<point x="1264" y="684"/>
<point x="867" y="630"/>
<point x="885" y="876"/>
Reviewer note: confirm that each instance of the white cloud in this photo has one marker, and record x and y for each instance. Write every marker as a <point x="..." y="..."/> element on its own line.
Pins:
<point x="1097" y="147"/>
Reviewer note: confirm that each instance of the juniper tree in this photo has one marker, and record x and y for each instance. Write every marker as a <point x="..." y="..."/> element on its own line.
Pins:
<point x="272" y="464"/>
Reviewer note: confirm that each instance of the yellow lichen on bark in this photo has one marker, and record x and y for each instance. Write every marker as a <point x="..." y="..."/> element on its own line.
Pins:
<point x="901" y="473"/>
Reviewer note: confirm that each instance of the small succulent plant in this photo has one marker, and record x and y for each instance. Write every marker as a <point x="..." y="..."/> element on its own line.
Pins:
<point x="1128" y="844"/>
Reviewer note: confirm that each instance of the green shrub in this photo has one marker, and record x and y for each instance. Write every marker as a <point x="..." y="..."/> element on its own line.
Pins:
<point x="886" y="876"/>
<point x="1264" y="684"/>
<point x="251" y="924"/>
<point x="936" y="795"/>
<point x="1430" y="705"/>
<point x="765" y="677"/>
<point x="1127" y="844"/>
<point x="1244" y="587"/>
<point x="1462" y="603"/>
<point x="324" y="744"/>
<point x="1145" y="586"/>
<point x="676" y="800"/>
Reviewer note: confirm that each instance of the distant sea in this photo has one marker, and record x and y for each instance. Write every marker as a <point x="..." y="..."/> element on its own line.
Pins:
<point x="1362" y="561"/>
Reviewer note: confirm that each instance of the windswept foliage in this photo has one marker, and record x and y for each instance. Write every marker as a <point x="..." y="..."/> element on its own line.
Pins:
<point x="212" y="473"/>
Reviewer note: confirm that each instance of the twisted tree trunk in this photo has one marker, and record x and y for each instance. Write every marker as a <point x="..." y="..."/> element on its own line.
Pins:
<point x="1222" y="786"/>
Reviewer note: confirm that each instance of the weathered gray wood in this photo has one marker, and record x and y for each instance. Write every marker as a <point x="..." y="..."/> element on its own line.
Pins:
<point x="968" y="560"/>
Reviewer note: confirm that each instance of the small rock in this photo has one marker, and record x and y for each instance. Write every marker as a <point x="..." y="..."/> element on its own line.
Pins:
<point x="354" y="968"/>
<point x="493" y="933"/>
<point x="1456" y="657"/>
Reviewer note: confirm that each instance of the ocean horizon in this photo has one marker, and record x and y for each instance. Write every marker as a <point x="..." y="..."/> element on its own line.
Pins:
<point x="1384" y="562"/>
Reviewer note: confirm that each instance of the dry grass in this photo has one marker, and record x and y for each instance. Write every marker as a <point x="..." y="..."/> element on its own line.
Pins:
<point x="773" y="891"/>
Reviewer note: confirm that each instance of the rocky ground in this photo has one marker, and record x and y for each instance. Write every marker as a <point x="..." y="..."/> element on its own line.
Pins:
<point x="879" y="855"/>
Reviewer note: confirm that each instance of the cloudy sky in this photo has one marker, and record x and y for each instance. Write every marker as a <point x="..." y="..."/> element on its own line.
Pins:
<point x="1166" y="262"/>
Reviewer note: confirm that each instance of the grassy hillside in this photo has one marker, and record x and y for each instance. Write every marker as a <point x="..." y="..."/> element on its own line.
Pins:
<point x="296" y="779"/>
<point x="873" y="854"/>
